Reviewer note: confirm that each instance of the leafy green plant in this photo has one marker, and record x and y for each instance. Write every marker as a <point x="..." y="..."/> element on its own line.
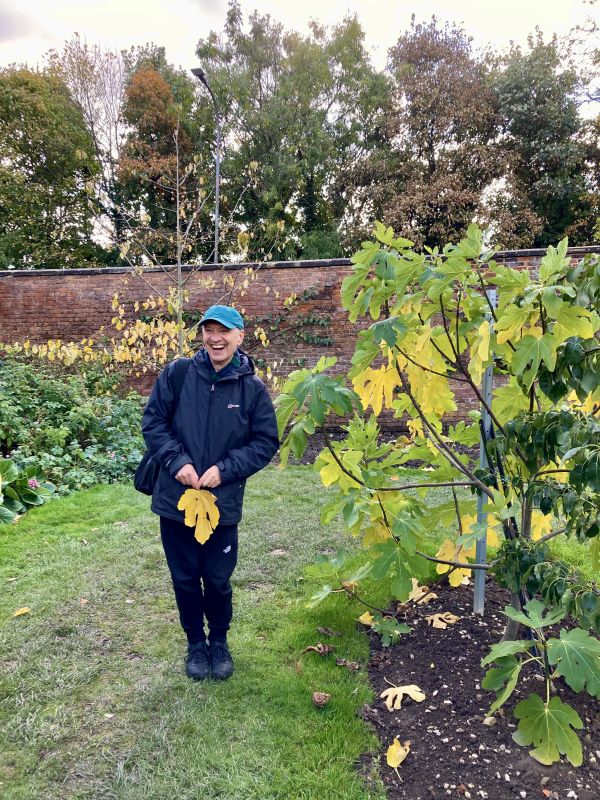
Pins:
<point x="427" y="325"/>
<point x="67" y="426"/>
<point x="20" y="490"/>
<point x="548" y="725"/>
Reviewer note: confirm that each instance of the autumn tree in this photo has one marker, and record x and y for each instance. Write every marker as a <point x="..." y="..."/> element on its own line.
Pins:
<point x="437" y="133"/>
<point x="297" y="106"/>
<point x="47" y="166"/>
<point x="547" y="193"/>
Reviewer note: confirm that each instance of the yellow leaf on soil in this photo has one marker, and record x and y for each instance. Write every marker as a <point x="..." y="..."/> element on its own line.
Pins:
<point x="200" y="511"/>
<point x="396" y="753"/>
<point x="421" y="594"/>
<point x="441" y="620"/>
<point x="366" y="618"/>
<point x="19" y="612"/>
<point x="395" y="695"/>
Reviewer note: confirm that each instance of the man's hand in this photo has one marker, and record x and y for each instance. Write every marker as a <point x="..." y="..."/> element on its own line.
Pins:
<point x="188" y="476"/>
<point x="210" y="479"/>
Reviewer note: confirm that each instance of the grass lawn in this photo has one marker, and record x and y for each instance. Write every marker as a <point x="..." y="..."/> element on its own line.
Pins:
<point x="94" y="702"/>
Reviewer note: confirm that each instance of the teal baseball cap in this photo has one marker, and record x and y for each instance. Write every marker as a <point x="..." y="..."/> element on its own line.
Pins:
<point x="227" y="315"/>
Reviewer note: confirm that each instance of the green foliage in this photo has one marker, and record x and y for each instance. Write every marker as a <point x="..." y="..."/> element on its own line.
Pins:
<point x="577" y="657"/>
<point x="430" y="327"/>
<point x="66" y="427"/>
<point x="20" y="489"/>
<point x="549" y="727"/>
<point x="47" y="169"/>
<point x="300" y="107"/>
<point x="545" y="150"/>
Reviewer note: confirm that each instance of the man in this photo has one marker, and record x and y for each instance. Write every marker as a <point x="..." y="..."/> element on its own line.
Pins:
<point x="221" y="430"/>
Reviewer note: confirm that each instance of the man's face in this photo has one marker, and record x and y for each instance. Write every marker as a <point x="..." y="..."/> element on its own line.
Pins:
<point x="221" y="342"/>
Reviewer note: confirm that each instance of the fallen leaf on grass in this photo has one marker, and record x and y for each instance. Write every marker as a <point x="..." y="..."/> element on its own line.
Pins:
<point x="321" y="649"/>
<point x="10" y="580"/>
<point x="395" y="695"/>
<point x="442" y="620"/>
<point x="20" y="611"/>
<point x="328" y="632"/>
<point x="396" y="753"/>
<point x="366" y="619"/>
<point x="321" y="699"/>
<point x="342" y="662"/>
<point x="83" y="602"/>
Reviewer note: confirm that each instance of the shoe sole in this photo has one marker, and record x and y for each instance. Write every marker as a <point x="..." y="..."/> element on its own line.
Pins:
<point x="222" y="677"/>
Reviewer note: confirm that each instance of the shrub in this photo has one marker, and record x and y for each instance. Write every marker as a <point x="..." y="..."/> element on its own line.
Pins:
<point x="67" y="427"/>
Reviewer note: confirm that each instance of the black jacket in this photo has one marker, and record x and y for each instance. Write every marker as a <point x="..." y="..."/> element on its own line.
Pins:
<point x="228" y="421"/>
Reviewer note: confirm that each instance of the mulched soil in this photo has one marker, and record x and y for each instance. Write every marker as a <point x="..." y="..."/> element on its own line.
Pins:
<point x="453" y="754"/>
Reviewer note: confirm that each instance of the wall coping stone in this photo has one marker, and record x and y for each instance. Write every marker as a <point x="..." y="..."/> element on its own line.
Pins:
<point x="501" y="255"/>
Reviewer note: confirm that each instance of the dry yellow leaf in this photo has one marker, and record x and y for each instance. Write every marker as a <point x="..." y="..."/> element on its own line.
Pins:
<point x="395" y="695"/>
<point x="20" y="611"/>
<point x="421" y="594"/>
<point x="366" y="618"/>
<point x="396" y="753"/>
<point x="200" y="511"/>
<point x="441" y="620"/>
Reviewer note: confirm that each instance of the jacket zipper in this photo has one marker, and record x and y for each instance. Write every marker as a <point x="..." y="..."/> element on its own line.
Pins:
<point x="208" y="415"/>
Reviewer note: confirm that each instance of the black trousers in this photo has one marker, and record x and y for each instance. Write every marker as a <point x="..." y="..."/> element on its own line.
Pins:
<point x="200" y="574"/>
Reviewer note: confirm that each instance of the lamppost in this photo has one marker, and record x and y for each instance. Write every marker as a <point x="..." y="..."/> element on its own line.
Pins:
<point x="198" y="72"/>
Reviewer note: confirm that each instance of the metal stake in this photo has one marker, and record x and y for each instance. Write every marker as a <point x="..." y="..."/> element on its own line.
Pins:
<point x="481" y="545"/>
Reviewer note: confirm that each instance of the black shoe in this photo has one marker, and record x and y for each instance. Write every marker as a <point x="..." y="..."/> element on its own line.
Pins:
<point x="197" y="662"/>
<point x="220" y="661"/>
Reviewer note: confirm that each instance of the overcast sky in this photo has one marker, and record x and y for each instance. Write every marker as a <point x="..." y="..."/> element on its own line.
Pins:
<point x="29" y="29"/>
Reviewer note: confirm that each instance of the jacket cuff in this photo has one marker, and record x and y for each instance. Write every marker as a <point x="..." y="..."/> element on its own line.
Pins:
<point x="176" y="464"/>
<point x="225" y="478"/>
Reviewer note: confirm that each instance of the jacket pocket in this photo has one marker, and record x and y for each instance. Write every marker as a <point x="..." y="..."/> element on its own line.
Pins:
<point x="229" y="499"/>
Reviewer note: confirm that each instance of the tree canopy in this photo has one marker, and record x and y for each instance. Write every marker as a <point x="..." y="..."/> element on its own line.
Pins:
<point x="316" y="143"/>
<point x="46" y="164"/>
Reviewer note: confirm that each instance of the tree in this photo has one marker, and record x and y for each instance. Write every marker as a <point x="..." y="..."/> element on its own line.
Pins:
<point x="539" y="475"/>
<point x="437" y="151"/>
<point x="544" y="149"/>
<point x="47" y="172"/>
<point x="96" y="80"/>
<point x="296" y="106"/>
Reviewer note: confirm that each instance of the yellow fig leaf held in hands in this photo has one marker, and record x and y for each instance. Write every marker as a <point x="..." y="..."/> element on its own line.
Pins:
<point x="200" y="511"/>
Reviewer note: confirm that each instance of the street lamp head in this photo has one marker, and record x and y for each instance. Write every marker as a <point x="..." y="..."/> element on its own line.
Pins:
<point x="198" y="72"/>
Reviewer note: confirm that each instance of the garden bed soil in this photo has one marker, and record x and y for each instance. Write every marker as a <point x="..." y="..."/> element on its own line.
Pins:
<point x="452" y="753"/>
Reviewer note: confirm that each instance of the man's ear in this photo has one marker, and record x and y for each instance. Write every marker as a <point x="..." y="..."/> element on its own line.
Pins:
<point x="242" y="333"/>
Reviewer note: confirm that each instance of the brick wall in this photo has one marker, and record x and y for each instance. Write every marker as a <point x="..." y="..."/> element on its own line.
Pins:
<point x="74" y="304"/>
